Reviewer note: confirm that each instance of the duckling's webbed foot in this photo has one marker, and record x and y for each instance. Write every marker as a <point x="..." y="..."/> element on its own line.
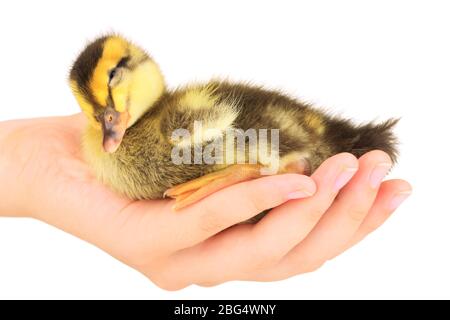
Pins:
<point x="193" y="191"/>
<point x="296" y="162"/>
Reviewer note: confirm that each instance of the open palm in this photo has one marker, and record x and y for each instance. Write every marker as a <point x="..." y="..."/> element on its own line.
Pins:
<point x="48" y="180"/>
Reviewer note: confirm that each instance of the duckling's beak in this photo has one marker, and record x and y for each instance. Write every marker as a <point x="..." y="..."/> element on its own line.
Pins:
<point x="114" y="126"/>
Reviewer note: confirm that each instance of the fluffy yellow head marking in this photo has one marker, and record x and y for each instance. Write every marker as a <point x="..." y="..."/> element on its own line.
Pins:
<point x="114" y="49"/>
<point x="120" y="93"/>
<point x="146" y="86"/>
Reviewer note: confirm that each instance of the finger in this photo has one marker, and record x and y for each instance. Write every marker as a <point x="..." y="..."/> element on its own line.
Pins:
<point x="341" y="220"/>
<point x="243" y="251"/>
<point x="236" y="204"/>
<point x="286" y="226"/>
<point x="391" y="195"/>
<point x="222" y="257"/>
<point x="347" y="213"/>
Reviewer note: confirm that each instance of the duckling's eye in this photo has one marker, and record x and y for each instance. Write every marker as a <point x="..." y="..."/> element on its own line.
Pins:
<point x="109" y="118"/>
<point x="112" y="73"/>
<point x="121" y="64"/>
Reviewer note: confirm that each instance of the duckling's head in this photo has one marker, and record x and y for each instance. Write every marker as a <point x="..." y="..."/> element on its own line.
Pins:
<point x="115" y="83"/>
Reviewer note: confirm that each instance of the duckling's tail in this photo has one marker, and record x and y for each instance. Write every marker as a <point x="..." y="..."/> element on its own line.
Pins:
<point x="364" y="138"/>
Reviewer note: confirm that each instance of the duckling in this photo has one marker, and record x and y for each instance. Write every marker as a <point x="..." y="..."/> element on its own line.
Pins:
<point x="132" y="140"/>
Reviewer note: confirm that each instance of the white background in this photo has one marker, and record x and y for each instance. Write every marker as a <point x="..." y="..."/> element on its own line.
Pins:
<point x="362" y="59"/>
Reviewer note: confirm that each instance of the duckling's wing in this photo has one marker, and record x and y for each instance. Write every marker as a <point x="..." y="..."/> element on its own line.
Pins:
<point x="197" y="114"/>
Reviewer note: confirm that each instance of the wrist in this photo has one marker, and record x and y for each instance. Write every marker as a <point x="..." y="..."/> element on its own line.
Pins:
<point x="14" y="194"/>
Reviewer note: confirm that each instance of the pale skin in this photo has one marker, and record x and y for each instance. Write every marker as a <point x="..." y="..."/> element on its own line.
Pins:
<point x="44" y="177"/>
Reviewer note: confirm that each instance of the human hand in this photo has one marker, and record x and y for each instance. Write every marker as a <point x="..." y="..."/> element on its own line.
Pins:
<point x="45" y="178"/>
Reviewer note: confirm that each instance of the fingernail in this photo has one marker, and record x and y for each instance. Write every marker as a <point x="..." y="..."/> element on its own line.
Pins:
<point x="379" y="173"/>
<point x="299" y="194"/>
<point x="399" y="198"/>
<point x="344" y="177"/>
